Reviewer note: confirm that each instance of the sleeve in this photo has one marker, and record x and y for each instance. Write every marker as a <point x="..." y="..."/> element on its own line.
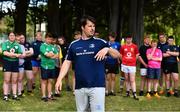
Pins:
<point x="140" y="51"/>
<point x="121" y="50"/>
<point x="164" y="49"/>
<point x="69" y="55"/>
<point x="161" y="55"/>
<point x="21" y="49"/>
<point x="4" y="47"/>
<point x="60" y="54"/>
<point x="136" y="50"/>
<point x="177" y="48"/>
<point x="43" y="49"/>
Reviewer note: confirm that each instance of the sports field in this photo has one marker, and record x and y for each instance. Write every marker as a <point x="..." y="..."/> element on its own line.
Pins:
<point x="67" y="103"/>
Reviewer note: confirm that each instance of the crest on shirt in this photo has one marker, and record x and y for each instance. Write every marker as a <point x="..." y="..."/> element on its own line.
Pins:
<point x="85" y="50"/>
<point x="12" y="50"/>
<point x="16" y="47"/>
<point x="125" y="49"/>
<point x="7" y="46"/>
<point x="91" y="46"/>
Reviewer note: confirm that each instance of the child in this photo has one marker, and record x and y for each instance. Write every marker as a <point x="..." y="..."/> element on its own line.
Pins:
<point x="48" y="55"/>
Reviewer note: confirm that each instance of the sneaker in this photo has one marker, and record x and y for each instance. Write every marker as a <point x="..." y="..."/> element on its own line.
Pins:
<point x="21" y="95"/>
<point x="156" y="95"/>
<point x="5" y="98"/>
<point x="15" y="98"/>
<point x="51" y="98"/>
<point x="136" y="98"/>
<point x="68" y="88"/>
<point x="112" y="94"/>
<point x="141" y="93"/>
<point x="106" y="94"/>
<point x="57" y="95"/>
<point x="45" y="99"/>
<point x="171" y="92"/>
<point x="161" y="92"/>
<point x="148" y="95"/>
<point x="33" y="86"/>
<point x="30" y="93"/>
<point x="168" y="94"/>
<point x="176" y="94"/>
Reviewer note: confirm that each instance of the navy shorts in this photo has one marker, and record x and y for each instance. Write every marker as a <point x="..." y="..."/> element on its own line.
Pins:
<point x="153" y="73"/>
<point x="10" y="66"/>
<point x="47" y="73"/>
<point x="35" y="63"/>
<point x="170" y="68"/>
<point x="27" y="65"/>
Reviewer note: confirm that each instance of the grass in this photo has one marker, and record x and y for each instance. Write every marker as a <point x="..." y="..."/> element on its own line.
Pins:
<point x="113" y="103"/>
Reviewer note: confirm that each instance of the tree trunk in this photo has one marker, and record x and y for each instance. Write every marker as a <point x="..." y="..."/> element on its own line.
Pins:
<point x="136" y="26"/>
<point x="114" y="15"/>
<point x="20" y="16"/>
<point x="53" y="17"/>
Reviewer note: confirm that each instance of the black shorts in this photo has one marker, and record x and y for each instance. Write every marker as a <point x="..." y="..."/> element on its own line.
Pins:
<point x="27" y="65"/>
<point x="10" y="66"/>
<point x="47" y="74"/>
<point x="170" y="68"/>
<point x="57" y="72"/>
<point x="112" y="68"/>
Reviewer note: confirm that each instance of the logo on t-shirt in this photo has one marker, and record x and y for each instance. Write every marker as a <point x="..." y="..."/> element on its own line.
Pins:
<point x="91" y="46"/>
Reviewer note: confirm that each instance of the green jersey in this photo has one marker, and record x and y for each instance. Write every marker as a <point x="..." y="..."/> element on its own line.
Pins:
<point x="46" y="62"/>
<point x="13" y="47"/>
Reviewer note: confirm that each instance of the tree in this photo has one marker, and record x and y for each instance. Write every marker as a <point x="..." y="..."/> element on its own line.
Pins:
<point x="20" y="16"/>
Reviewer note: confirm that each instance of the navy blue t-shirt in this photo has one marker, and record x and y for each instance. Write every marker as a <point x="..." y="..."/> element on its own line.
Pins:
<point x="88" y="72"/>
<point x="172" y="48"/>
<point x="110" y="60"/>
<point x="36" y="47"/>
<point x="27" y="46"/>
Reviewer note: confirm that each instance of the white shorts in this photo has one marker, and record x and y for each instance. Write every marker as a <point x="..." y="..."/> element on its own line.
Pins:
<point x="143" y="71"/>
<point x="128" y="69"/>
<point x="90" y="98"/>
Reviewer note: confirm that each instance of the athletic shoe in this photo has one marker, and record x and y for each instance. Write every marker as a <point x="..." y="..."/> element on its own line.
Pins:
<point x="171" y="92"/>
<point x="168" y="94"/>
<point x="136" y="98"/>
<point x="148" y="95"/>
<point x="15" y="98"/>
<point x="161" y="92"/>
<point x="176" y="94"/>
<point x="57" y="95"/>
<point x="51" y="98"/>
<point x="5" y="98"/>
<point x="68" y="88"/>
<point x="156" y="95"/>
<point x="112" y="94"/>
<point x="106" y="94"/>
<point x="141" y="93"/>
<point x="45" y="99"/>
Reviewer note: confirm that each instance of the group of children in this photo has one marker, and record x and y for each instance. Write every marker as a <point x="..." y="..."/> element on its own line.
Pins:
<point x="158" y="64"/>
<point x="158" y="61"/>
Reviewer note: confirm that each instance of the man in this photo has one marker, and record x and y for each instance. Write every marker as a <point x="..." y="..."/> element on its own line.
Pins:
<point x="170" y="54"/>
<point x="143" y="63"/>
<point x="129" y="53"/>
<point x="88" y="55"/>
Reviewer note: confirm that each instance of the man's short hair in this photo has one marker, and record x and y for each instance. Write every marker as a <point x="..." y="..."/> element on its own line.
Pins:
<point x="85" y="18"/>
<point x="48" y="35"/>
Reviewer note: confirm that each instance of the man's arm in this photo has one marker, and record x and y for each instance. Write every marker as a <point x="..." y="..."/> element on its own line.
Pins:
<point x="102" y="53"/>
<point x="64" y="69"/>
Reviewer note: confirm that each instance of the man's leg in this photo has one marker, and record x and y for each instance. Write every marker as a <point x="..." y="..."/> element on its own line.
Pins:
<point x="97" y="99"/>
<point x="81" y="98"/>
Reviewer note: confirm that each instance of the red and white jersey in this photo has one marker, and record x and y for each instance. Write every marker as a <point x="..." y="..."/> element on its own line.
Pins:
<point x="129" y="53"/>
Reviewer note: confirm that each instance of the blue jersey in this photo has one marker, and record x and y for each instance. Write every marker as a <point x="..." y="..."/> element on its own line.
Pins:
<point x="36" y="47"/>
<point x="172" y="48"/>
<point x="88" y="72"/>
<point x="110" y="60"/>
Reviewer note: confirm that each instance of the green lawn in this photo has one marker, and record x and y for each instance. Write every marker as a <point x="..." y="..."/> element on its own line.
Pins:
<point x="67" y="102"/>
